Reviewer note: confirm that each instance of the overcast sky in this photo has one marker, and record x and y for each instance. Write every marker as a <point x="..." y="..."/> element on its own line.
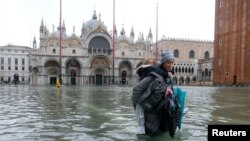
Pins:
<point x="191" y="19"/>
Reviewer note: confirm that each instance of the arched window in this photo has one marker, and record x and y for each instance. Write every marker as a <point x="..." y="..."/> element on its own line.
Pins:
<point x="54" y="51"/>
<point x="123" y="53"/>
<point x="176" y="53"/>
<point x="173" y="69"/>
<point x="206" y="56"/>
<point x="206" y="72"/>
<point x="191" y="54"/>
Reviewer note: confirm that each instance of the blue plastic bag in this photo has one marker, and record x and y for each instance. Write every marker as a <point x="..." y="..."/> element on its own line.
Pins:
<point x="181" y="95"/>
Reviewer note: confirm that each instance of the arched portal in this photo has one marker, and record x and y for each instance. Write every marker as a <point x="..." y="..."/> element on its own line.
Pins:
<point x="125" y="72"/>
<point x="73" y="71"/>
<point x="124" y="76"/>
<point x="99" y="73"/>
<point x="52" y="69"/>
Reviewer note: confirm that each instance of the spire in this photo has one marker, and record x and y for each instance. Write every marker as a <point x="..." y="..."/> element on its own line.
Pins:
<point x="94" y="17"/>
<point x="141" y="36"/>
<point x="150" y="35"/>
<point x="115" y="31"/>
<point x="42" y="23"/>
<point x="84" y="30"/>
<point x="123" y="31"/>
<point x="34" y="43"/>
<point x="63" y="27"/>
<point x="132" y="34"/>
<point x="100" y="17"/>
<point x="46" y="30"/>
<point x="42" y="28"/>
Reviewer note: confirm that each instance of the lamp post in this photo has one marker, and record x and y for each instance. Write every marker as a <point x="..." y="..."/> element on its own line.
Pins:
<point x="60" y="44"/>
<point x="113" y="45"/>
<point x="156" y="43"/>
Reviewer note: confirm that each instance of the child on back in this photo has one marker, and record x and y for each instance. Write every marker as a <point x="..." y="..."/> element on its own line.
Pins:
<point x="142" y="71"/>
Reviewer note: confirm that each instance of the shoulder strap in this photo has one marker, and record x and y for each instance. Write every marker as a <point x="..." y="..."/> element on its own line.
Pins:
<point x="157" y="75"/>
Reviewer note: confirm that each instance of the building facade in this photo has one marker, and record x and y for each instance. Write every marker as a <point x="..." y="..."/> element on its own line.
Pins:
<point x="88" y="59"/>
<point x="232" y="43"/>
<point x="14" y="59"/>
<point x="190" y="67"/>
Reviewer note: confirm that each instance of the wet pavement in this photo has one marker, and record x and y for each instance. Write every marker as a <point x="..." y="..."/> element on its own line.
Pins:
<point x="99" y="113"/>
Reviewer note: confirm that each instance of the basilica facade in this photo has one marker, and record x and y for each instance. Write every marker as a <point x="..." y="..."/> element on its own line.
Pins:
<point x="88" y="59"/>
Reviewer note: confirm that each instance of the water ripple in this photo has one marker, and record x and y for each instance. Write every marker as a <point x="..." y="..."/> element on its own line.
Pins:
<point x="106" y="113"/>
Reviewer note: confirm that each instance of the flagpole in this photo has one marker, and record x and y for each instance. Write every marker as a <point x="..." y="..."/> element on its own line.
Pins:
<point x="60" y="44"/>
<point x="113" y="45"/>
<point x="156" y="43"/>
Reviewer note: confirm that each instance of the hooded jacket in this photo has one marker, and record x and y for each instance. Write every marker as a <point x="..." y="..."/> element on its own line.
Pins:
<point x="154" y="75"/>
<point x="149" y="92"/>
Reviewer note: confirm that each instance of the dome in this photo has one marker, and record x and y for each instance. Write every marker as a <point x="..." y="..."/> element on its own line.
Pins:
<point x="93" y="22"/>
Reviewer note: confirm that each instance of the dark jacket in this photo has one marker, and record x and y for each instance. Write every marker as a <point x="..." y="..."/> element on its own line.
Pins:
<point x="144" y="70"/>
<point x="153" y="84"/>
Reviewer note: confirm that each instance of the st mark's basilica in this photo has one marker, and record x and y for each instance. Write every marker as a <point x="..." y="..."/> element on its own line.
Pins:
<point x="88" y="59"/>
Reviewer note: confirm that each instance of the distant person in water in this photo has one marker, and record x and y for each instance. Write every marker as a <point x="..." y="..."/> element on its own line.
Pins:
<point x="16" y="78"/>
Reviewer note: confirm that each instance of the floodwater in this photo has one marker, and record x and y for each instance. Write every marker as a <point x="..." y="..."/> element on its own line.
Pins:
<point x="99" y="113"/>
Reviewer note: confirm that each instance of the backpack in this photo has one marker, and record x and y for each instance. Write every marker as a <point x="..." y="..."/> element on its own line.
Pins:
<point x="151" y="98"/>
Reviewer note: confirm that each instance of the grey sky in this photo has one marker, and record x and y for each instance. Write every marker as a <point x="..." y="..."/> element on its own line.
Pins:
<point x="191" y="19"/>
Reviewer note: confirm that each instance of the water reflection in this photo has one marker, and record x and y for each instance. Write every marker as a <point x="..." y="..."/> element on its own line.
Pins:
<point x="106" y="114"/>
<point x="234" y="108"/>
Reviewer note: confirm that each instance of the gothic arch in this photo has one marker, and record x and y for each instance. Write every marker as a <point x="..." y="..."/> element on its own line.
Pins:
<point x="194" y="79"/>
<point x="107" y="59"/>
<point x="73" y="67"/>
<point x="100" y="62"/>
<point x="51" y="63"/>
<point x="176" y="53"/>
<point x="181" y="80"/>
<point x="125" y="72"/>
<point x="206" y="55"/>
<point x="127" y="66"/>
<point x="175" y="80"/>
<point x="51" y="60"/>
<point x="99" y="42"/>
<point x="73" y="41"/>
<point x="176" y="69"/>
<point x="52" y="69"/>
<point x="191" y="54"/>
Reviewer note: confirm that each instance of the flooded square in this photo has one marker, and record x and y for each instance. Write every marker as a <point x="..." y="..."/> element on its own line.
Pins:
<point x="101" y="113"/>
